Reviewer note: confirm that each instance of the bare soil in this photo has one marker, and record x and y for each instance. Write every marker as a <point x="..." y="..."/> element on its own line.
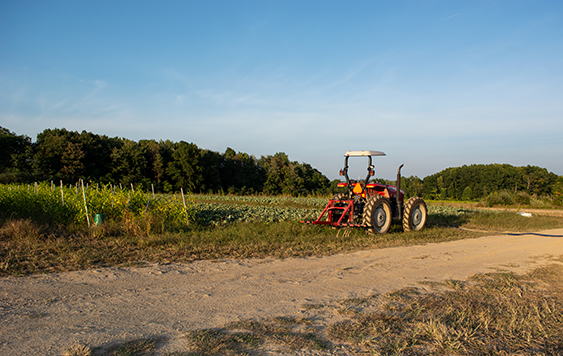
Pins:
<point x="46" y="314"/>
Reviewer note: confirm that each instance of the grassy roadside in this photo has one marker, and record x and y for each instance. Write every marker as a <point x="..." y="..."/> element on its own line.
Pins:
<point x="498" y="313"/>
<point x="26" y="247"/>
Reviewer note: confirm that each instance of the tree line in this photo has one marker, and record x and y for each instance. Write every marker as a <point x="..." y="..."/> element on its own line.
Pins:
<point x="477" y="181"/>
<point x="68" y="156"/>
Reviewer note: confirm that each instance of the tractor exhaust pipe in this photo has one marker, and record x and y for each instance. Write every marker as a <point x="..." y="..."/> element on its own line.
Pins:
<point x="398" y="197"/>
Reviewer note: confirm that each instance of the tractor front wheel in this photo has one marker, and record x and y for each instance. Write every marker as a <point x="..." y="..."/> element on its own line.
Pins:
<point x="414" y="214"/>
<point x="377" y="215"/>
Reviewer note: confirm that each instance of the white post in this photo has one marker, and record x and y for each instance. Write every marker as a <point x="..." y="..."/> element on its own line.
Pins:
<point x="85" y="205"/>
<point x="62" y="194"/>
<point x="185" y="208"/>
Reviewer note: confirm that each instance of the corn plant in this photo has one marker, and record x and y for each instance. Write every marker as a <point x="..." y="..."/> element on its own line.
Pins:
<point x="79" y="204"/>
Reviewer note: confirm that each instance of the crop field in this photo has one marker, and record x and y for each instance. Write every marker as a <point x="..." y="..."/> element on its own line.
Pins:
<point x="78" y="205"/>
<point x="67" y="205"/>
<point x="45" y="227"/>
<point x="216" y="209"/>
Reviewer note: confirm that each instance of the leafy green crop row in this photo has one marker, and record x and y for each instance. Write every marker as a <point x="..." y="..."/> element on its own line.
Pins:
<point x="221" y="213"/>
<point x="263" y="200"/>
<point x="217" y="214"/>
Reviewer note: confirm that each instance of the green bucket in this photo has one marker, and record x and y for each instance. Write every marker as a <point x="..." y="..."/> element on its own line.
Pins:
<point x="99" y="219"/>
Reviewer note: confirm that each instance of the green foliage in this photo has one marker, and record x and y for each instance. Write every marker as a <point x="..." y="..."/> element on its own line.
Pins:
<point x="218" y="214"/>
<point x="71" y="156"/>
<point x="12" y="149"/>
<point x="184" y="167"/>
<point x="54" y="205"/>
<point x="467" y="194"/>
<point x="507" y="198"/>
<point x="558" y="192"/>
<point x="479" y="181"/>
<point x="37" y="202"/>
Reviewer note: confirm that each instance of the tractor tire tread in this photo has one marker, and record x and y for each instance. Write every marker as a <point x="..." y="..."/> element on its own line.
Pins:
<point x="408" y="210"/>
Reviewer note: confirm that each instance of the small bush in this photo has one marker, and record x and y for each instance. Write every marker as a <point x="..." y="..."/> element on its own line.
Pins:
<point x="542" y="202"/>
<point x="522" y="198"/>
<point x="506" y="198"/>
<point x="493" y="199"/>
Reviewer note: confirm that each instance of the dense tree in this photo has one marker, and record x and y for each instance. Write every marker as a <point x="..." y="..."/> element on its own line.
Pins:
<point x="477" y="181"/>
<point x="184" y="167"/>
<point x="292" y="178"/>
<point x="131" y="164"/>
<point x="412" y="186"/>
<point x="59" y="154"/>
<point x="12" y="149"/>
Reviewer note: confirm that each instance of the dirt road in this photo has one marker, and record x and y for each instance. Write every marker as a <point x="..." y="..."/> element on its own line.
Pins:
<point x="45" y="314"/>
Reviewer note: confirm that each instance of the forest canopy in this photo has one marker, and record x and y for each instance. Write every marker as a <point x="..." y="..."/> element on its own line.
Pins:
<point x="69" y="156"/>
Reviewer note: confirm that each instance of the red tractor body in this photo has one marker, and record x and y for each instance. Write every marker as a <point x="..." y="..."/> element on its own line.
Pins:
<point x="371" y="205"/>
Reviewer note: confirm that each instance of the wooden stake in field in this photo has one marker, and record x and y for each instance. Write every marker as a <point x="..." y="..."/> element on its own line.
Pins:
<point x="62" y="194"/>
<point x="112" y="194"/>
<point x="185" y="208"/>
<point x="148" y="203"/>
<point x="85" y="205"/>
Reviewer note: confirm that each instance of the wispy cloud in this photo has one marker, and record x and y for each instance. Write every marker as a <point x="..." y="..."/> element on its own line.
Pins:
<point x="449" y="17"/>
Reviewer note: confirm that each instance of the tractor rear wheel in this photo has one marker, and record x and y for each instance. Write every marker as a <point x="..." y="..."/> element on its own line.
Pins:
<point x="377" y="215"/>
<point x="414" y="214"/>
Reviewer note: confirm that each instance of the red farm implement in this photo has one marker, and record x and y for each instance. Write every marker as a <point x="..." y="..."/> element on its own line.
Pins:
<point x="371" y="205"/>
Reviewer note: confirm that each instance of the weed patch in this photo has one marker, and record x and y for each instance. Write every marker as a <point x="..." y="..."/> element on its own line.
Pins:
<point x="240" y="337"/>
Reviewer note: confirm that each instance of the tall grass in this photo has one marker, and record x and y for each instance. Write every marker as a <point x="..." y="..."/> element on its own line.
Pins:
<point x="508" y="198"/>
<point x="77" y="205"/>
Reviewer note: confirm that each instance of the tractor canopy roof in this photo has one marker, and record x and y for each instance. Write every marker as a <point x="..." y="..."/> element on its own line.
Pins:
<point x="364" y="153"/>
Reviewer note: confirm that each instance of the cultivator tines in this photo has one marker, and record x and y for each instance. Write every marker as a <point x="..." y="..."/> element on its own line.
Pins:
<point x="338" y="212"/>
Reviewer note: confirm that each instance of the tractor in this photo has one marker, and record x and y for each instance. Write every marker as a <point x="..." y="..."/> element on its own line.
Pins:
<point x="371" y="205"/>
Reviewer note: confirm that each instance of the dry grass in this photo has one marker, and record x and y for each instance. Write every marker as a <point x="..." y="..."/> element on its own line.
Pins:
<point x="249" y="337"/>
<point x="78" y="350"/>
<point x="132" y="348"/>
<point x="491" y="314"/>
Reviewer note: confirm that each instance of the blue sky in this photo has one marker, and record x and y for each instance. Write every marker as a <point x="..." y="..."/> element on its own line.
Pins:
<point x="434" y="84"/>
